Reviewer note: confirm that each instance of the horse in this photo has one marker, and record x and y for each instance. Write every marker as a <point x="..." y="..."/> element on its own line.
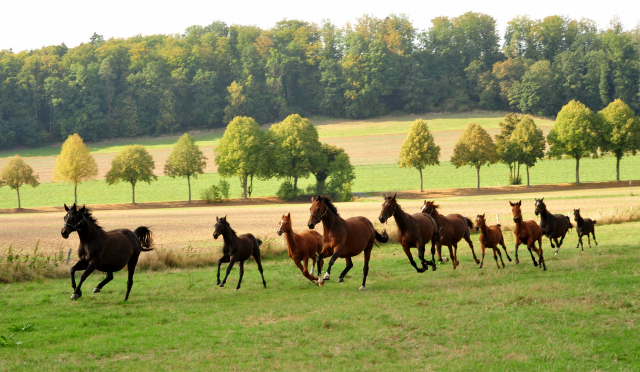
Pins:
<point x="584" y="226"/>
<point x="236" y="249"/>
<point x="491" y="236"/>
<point x="343" y="238"/>
<point x="107" y="251"/>
<point x="553" y="226"/>
<point x="527" y="232"/>
<point x="452" y="229"/>
<point x="303" y="246"/>
<point x="413" y="231"/>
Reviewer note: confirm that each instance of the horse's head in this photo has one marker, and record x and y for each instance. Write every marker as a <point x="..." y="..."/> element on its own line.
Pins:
<point x="480" y="221"/>
<point x="429" y="207"/>
<point x="220" y="227"/>
<point x="540" y="206"/>
<point x="285" y="224"/>
<point x="73" y="220"/>
<point x="515" y="209"/>
<point x="576" y="214"/>
<point x="318" y="211"/>
<point x="388" y="208"/>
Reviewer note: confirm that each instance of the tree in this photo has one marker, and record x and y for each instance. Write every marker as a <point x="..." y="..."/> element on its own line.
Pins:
<point x="419" y="149"/>
<point x="476" y="148"/>
<point x="296" y="146"/>
<point x="509" y="152"/>
<point x="621" y="131"/>
<point x="574" y="134"/>
<point x="133" y="164"/>
<point x="186" y="160"/>
<point x="75" y="164"/>
<point x="341" y="174"/>
<point x="17" y="173"/>
<point x="243" y="152"/>
<point x="530" y="140"/>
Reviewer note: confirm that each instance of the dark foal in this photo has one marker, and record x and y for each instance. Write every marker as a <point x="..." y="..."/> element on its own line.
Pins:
<point x="490" y="237"/>
<point x="414" y="231"/>
<point x="584" y="226"/>
<point x="236" y="249"/>
<point x="527" y="232"/>
<point x="107" y="251"/>
<point x="553" y="226"/>
<point x="302" y="247"/>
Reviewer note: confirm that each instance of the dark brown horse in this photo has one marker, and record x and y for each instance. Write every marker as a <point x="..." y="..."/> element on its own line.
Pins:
<point x="584" y="226"/>
<point x="343" y="238"/>
<point x="490" y="237"/>
<point x="553" y="226"/>
<point x="527" y="232"/>
<point x="414" y="231"/>
<point x="452" y="228"/>
<point x="107" y="251"/>
<point x="236" y="249"/>
<point x="302" y="247"/>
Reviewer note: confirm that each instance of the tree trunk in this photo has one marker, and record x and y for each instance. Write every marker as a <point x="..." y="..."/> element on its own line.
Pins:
<point x="478" y="171"/>
<point x="577" y="170"/>
<point x="528" y="185"/>
<point x="18" y="190"/>
<point x="133" y="193"/>
<point x="295" y="183"/>
<point x="189" y="183"/>
<point x="420" y="169"/>
<point x="75" y="194"/>
<point x="244" y="187"/>
<point x="618" y="167"/>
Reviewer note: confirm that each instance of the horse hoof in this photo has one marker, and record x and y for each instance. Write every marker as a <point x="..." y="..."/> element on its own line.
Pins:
<point x="556" y="253"/>
<point x="326" y="277"/>
<point x="420" y="270"/>
<point x="96" y="290"/>
<point x="75" y="296"/>
<point x="445" y="259"/>
<point x="362" y="288"/>
<point x="340" y="280"/>
<point x="236" y="290"/>
<point x="480" y="267"/>
<point x="221" y="285"/>
<point x="517" y="261"/>
<point x="320" y="283"/>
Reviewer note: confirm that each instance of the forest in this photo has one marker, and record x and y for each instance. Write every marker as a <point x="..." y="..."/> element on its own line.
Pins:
<point x="206" y="76"/>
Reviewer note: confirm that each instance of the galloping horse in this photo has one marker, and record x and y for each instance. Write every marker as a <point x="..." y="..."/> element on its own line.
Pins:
<point x="527" y="232"/>
<point x="303" y="246"/>
<point x="343" y="238"/>
<point x="107" y="251"/>
<point x="491" y="236"/>
<point x="413" y="231"/>
<point x="236" y="249"/>
<point x="553" y="226"/>
<point x="584" y="226"/>
<point x="452" y="229"/>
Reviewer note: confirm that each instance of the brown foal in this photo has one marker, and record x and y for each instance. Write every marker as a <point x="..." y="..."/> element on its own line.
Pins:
<point x="302" y="247"/>
<point x="490" y="237"/>
<point x="527" y="232"/>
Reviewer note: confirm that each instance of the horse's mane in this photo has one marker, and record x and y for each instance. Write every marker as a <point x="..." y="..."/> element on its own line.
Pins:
<point x="233" y="232"/>
<point x="329" y="204"/>
<point x="89" y="216"/>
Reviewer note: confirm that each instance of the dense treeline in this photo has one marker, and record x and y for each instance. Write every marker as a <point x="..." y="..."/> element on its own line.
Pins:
<point x="208" y="75"/>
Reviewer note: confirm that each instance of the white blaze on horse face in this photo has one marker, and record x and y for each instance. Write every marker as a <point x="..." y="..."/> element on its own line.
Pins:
<point x="424" y="207"/>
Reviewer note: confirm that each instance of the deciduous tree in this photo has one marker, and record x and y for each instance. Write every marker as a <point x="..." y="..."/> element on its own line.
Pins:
<point x="133" y="164"/>
<point x="476" y="148"/>
<point x="530" y="141"/>
<point x="75" y="164"/>
<point x="17" y="173"/>
<point x="621" y="131"/>
<point x="419" y="149"/>
<point x="186" y="160"/>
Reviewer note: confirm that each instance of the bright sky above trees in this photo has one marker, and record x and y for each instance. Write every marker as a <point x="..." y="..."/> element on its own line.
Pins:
<point x="33" y="24"/>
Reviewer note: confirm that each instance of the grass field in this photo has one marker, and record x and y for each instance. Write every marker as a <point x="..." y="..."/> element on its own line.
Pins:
<point x="580" y="315"/>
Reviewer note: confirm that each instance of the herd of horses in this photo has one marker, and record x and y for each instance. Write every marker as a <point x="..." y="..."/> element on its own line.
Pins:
<point x="111" y="251"/>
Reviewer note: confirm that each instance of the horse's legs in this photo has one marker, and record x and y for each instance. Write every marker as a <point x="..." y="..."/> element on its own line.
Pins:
<point x="241" y="274"/>
<point x="505" y="248"/>
<point x="433" y="255"/>
<point x="495" y="257"/>
<point x="529" y="246"/>
<point x="407" y="251"/>
<point x="232" y="260"/>
<point x="467" y="237"/>
<point x="453" y="257"/>
<point x="421" y="250"/>
<point x="579" y="240"/>
<point x="482" y="261"/>
<point x="455" y="252"/>
<point x="220" y="261"/>
<point x="557" y="245"/>
<point x="499" y="254"/>
<point x="77" y="293"/>
<point x="334" y="257"/>
<point x="594" y="236"/>
<point x="102" y="283"/>
<point x="540" y="256"/>
<point x="80" y="265"/>
<point x="346" y="269"/>
<point x="304" y="270"/>
<point x="589" y="240"/>
<point x="365" y="269"/>
<point x="131" y="268"/>
<point x="439" y="249"/>
<point x="256" y="257"/>
<point x="517" y="245"/>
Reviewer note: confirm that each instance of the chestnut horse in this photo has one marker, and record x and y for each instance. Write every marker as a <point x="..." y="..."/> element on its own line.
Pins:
<point x="584" y="226"/>
<point x="452" y="229"/>
<point x="413" y="231"/>
<point x="107" y="251"/>
<point x="491" y="236"/>
<point x="236" y="249"/>
<point x="553" y="226"/>
<point x="303" y="246"/>
<point x="527" y="232"/>
<point x="343" y="238"/>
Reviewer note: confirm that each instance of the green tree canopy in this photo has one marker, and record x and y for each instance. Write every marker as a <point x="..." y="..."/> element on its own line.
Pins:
<point x="621" y="131"/>
<point x="530" y="141"/>
<point x="296" y="147"/>
<point x="575" y="133"/>
<point x="133" y="164"/>
<point x="186" y="160"/>
<point x="17" y="173"/>
<point x="243" y="152"/>
<point x="75" y="164"/>
<point x="341" y="174"/>
<point x="419" y="148"/>
<point x="476" y="148"/>
<point x="509" y="152"/>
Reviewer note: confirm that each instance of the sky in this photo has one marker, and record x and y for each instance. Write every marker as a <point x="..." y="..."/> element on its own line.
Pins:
<point x="26" y="25"/>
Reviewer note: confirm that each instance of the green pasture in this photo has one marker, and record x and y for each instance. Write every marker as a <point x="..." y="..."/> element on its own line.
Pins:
<point x="580" y="315"/>
<point x="369" y="178"/>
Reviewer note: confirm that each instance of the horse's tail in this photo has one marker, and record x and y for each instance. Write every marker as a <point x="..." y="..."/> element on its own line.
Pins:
<point x="568" y="221"/>
<point x="469" y="223"/>
<point x="144" y="235"/>
<point x="259" y="242"/>
<point x="382" y="238"/>
<point x="595" y="222"/>
<point x="499" y="226"/>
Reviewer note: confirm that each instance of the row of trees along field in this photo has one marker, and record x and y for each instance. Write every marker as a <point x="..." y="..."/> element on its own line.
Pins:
<point x="578" y="132"/>
<point x="206" y="76"/>
<point x="288" y="150"/>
